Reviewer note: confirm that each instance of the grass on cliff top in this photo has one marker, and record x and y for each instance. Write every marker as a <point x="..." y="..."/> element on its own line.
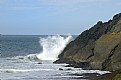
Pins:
<point x="117" y="77"/>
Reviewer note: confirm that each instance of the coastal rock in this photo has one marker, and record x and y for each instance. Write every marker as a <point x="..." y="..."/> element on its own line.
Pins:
<point x="107" y="52"/>
<point x="96" y="48"/>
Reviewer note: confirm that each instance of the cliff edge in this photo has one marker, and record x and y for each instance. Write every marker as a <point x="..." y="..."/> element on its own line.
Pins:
<point x="96" y="48"/>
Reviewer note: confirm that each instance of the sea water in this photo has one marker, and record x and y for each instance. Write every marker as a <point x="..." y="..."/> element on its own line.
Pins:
<point x="31" y="58"/>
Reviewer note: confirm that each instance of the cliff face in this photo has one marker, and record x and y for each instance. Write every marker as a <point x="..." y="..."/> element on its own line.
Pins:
<point x="96" y="48"/>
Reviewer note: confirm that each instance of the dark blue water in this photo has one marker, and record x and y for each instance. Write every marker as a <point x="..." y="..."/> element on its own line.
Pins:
<point x="19" y="45"/>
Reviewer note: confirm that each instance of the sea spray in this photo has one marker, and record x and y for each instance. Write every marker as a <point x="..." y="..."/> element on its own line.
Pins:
<point x="53" y="46"/>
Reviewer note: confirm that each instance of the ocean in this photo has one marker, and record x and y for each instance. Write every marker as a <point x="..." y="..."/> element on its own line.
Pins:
<point x="31" y="57"/>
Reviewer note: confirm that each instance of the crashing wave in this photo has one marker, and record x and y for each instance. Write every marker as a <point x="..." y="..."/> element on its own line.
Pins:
<point x="52" y="47"/>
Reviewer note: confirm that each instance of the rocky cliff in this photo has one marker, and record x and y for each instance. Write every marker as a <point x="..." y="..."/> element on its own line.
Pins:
<point x="96" y="48"/>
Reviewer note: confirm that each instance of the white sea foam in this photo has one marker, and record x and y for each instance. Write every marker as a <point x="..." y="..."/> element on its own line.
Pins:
<point x="73" y="70"/>
<point x="52" y="47"/>
<point x="93" y="71"/>
<point x="22" y="70"/>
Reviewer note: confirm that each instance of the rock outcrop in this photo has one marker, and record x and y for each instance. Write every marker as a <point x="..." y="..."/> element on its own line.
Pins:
<point x="96" y="48"/>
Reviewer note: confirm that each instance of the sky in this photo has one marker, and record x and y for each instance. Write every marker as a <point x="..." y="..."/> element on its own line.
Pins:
<point x="51" y="17"/>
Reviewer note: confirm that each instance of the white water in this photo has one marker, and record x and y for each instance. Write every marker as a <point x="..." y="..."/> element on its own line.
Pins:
<point x="22" y="69"/>
<point x="53" y="46"/>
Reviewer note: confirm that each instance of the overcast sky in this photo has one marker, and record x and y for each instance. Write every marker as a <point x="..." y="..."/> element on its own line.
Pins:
<point x="38" y="17"/>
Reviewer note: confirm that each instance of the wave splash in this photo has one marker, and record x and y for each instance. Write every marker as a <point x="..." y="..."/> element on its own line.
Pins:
<point x="52" y="47"/>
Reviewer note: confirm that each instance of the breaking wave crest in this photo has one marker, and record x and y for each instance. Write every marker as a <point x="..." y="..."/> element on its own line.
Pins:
<point x="52" y="47"/>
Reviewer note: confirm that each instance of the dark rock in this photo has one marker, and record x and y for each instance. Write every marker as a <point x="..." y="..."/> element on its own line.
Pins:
<point x="83" y="65"/>
<point x="96" y="48"/>
<point x="60" y="69"/>
<point x="21" y="58"/>
<point x="90" y="76"/>
<point x="39" y="63"/>
<point x="69" y="69"/>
